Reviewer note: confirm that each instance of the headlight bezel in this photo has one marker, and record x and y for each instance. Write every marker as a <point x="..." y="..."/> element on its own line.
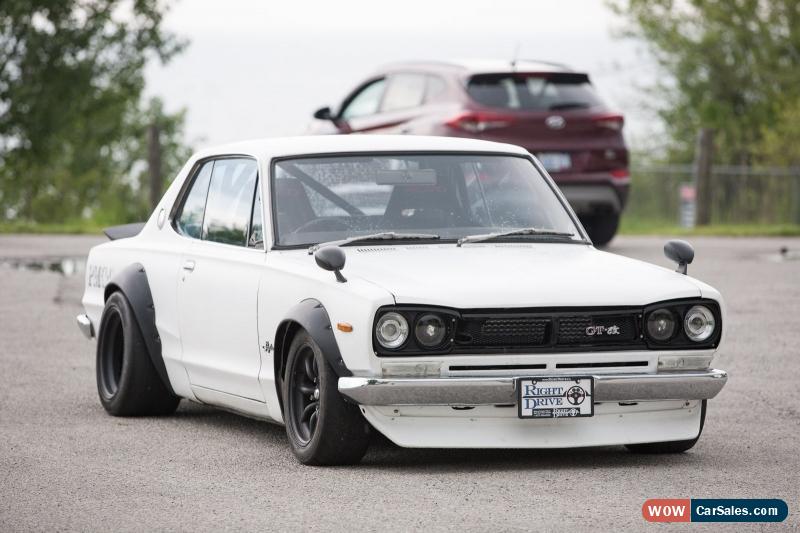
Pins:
<point x="412" y="315"/>
<point x="680" y="339"/>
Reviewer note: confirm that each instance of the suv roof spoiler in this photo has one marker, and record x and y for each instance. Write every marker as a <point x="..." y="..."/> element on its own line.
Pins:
<point x="124" y="231"/>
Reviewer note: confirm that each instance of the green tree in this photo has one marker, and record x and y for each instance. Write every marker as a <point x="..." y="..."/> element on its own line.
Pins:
<point x="728" y="65"/>
<point x="71" y="79"/>
<point x="780" y="144"/>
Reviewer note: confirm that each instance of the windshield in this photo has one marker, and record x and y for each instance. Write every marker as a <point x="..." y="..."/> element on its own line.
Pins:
<point x="451" y="196"/>
<point x="534" y="92"/>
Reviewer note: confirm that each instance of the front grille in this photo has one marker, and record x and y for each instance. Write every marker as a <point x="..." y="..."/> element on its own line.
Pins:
<point x="559" y="329"/>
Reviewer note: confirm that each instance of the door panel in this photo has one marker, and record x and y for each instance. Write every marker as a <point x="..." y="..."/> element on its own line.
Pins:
<point x="218" y="297"/>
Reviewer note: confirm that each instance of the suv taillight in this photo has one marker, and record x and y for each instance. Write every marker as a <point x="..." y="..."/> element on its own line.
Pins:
<point x="476" y="122"/>
<point x="610" y="121"/>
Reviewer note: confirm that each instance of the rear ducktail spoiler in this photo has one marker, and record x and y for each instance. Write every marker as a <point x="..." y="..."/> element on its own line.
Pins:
<point x="124" y="231"/>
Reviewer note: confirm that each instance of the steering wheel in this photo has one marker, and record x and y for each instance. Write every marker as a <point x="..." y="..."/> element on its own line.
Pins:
<point x="322" y="224"/>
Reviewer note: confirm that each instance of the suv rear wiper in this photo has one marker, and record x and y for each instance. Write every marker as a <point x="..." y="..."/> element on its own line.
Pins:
<point x="385" y="236"/>
<point x="510" y="233"/>
<point x="568" y="105"/>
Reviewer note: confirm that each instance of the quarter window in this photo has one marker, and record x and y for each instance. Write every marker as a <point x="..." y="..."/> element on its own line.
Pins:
<point x="405" y="91"/>
<point x="230" y="201"/>
<point x="190" y="219"/>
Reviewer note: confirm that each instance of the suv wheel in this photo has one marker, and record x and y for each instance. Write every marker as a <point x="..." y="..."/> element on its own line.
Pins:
<point x="601" y="227"/>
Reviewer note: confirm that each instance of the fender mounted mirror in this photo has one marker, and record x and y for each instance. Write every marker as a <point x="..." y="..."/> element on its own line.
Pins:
<point x="331" y="258"/>
<point x="681" y="252"/>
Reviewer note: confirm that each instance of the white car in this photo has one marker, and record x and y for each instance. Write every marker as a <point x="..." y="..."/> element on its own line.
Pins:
<point x="471" y="311"/>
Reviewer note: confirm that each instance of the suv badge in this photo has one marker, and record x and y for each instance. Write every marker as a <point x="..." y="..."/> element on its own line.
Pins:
<point x="602" y="330"/>
<point x="555" y="122"/>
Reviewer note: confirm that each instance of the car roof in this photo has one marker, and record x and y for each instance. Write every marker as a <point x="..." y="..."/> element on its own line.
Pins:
<point x="479" y="66"/>
<point x="269" y="148"/>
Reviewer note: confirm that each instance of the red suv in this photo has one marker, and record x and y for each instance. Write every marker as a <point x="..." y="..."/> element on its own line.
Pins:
<point x="547" y="108"/>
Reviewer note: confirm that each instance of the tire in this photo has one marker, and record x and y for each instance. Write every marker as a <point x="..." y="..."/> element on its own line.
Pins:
<point x="675" y="446"/>
<point x="601" y="228"/>
<point x="332" y="431"/>
<point x="127" y="382"/>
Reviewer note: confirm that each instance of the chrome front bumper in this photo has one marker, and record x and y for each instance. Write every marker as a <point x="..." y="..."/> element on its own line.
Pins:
<point x="694" y="385"/>
<point x="85" y="325"/>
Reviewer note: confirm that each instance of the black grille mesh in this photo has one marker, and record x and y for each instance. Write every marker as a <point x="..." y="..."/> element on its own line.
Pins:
<point x="503" y="332"/>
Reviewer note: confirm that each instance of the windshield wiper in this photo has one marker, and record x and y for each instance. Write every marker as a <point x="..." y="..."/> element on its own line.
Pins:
<point x="513" y="232"/>
<point x="385" y="236"/>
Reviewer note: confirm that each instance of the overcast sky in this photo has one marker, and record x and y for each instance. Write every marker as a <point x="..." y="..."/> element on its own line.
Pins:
<point x="256" y="69"/>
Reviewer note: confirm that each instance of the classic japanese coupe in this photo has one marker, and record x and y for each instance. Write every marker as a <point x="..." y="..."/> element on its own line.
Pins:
<point x="440" y="291"/>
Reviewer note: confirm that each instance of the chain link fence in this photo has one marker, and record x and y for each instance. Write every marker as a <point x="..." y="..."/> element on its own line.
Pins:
<point x="665" y="194"/>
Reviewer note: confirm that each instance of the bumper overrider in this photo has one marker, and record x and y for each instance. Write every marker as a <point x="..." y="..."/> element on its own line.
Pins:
<point x="472" y="391"/>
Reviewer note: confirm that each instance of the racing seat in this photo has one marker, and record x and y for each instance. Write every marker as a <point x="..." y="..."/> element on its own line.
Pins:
<point x="423" y="206"/>
<point x="293" y="206"/>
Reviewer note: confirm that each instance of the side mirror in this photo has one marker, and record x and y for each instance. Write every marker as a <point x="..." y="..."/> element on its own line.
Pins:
<point x="324" y="113"/>
<point x="681" y="252"/>
<point x="331" y="258"/>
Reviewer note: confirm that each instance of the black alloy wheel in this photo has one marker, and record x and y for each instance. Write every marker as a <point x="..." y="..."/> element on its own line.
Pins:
<point x="323" y="428"/>
<point x="305" y="396"/>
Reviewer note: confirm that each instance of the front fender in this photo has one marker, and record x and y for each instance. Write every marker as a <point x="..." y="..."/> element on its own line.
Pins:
<point x="310" y="315"/>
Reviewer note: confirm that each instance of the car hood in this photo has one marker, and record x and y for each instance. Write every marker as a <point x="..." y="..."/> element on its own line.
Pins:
<point x="514" y="275"/>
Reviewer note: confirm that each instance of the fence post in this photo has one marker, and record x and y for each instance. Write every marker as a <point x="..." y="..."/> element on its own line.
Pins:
<point x="704" y="154"/>
<point x="154" y="163"/>
<point x="795" y="177"/>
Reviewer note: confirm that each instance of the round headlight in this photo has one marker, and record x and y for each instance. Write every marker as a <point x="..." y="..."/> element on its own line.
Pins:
<point x="391" y="330"/>
<point x="699" y="323"/>
<point x="430" y="330"/>
<point x="661" y="325"/>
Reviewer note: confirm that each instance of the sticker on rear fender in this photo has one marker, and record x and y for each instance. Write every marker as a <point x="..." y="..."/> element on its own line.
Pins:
<point x="555" y="397"/>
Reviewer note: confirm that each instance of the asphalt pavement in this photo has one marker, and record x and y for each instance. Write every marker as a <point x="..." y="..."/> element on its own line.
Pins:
<point x="66" y="465"/>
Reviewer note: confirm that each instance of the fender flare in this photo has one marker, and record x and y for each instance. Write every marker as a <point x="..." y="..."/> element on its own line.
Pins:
<point x="310" y="315"/>
<point x="132" y="283"/>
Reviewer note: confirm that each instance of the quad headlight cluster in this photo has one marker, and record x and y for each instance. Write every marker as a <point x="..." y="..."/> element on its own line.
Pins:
<point x="682" y="323"/>
<point x="418" y="329"/>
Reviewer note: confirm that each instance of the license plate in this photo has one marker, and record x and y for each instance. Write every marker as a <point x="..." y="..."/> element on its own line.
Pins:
<point x="555" y="397"/>
<point x="555" y="161"/>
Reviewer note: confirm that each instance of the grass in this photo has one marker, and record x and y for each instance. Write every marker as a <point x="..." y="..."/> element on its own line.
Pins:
<point x="71" y="228"/>
<point x="633" y="226"/>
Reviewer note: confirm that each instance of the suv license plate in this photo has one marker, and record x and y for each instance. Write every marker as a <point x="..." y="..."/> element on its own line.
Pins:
<point x="555" y="396"/>
<point x="555" y="161"/>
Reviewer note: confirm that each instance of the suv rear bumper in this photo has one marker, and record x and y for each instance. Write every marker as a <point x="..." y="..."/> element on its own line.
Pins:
<point x="687" y="385"/>
<point x="591" y="199"/>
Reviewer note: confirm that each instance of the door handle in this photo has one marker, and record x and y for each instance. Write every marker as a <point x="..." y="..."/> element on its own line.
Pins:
<point x="188" y="265"/>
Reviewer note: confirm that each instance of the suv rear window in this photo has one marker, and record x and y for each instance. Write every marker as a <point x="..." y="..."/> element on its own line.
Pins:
<point x="514" y="90"/>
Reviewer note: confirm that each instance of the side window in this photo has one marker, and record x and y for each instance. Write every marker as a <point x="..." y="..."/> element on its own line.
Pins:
<point x="256" y="239"/>
<point x="230" y="201"/>
<point x="189" y="221"/>
<point x="405" y="91"/>
<point x="436" y="88"/>
<point x="365" y="102"/>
